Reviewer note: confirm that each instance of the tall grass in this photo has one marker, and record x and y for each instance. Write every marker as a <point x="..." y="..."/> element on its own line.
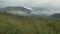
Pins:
<point x="11" y="24"/>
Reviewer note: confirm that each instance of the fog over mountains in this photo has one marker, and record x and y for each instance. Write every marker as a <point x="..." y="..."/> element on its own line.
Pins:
<point x="36" y="7"/>
<point x="24" y="11"/>
<point x="27" y="11"/>
<point x="15" y="10"/>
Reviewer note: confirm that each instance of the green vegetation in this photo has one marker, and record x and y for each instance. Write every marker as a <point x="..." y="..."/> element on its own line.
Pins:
<point x="11" y="24"/>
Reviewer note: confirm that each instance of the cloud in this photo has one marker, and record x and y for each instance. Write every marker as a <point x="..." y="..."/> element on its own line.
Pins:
<point x="30" y="3"/>
<point x="51" y="4"/>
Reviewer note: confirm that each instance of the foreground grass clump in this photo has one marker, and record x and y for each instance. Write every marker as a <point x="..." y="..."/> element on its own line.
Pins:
<point x="11" y="24"/>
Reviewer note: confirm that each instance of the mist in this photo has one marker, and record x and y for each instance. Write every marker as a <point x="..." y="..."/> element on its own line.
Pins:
<point x="52" y="5"/>
<point x="31" y="3"/>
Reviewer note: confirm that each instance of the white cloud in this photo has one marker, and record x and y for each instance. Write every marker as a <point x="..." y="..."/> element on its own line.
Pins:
<point x="53" y="3"/>
<point x="56" y="3"/>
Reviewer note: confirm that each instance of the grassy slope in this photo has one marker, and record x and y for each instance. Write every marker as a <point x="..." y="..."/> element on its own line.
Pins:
<point x="11" y="24"/>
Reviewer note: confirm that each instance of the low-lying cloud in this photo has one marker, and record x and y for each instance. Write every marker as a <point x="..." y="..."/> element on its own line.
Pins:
<point x="30" y="3"/>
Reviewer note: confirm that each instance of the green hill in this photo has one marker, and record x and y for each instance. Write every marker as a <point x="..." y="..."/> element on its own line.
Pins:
<point x="11" y="24"/>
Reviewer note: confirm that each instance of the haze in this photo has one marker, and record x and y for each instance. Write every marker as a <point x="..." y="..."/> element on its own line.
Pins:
<point x="50" y="4"/>
<point x="30" y="3"/>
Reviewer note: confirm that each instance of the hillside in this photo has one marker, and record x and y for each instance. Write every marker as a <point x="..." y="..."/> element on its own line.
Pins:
<point x="57" y="15"/>
<point x="24" y="11"/>
<point x="11" y="24"/>
<point x="14" y="8"/>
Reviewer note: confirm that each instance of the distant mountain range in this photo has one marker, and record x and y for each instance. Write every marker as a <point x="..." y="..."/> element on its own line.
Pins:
<point x="25" y="11"/>
<point x="14" y="8"/>
<point x="17" y="10"/>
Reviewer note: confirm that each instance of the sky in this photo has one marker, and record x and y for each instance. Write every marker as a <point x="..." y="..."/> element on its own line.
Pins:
<point x="52" y="4"/>
<point x="31" y="3"/>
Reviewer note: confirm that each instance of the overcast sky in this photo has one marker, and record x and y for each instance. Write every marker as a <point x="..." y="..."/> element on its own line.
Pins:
<point x="30" y="3"/>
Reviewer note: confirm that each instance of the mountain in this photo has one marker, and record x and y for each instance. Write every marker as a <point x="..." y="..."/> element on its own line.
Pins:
<point x="24" y="11"/>
<point x="14" y="8"/>
<point x="39" y="8"/>
<point x="17" y="10"/>
<point x="56" y="15"/>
